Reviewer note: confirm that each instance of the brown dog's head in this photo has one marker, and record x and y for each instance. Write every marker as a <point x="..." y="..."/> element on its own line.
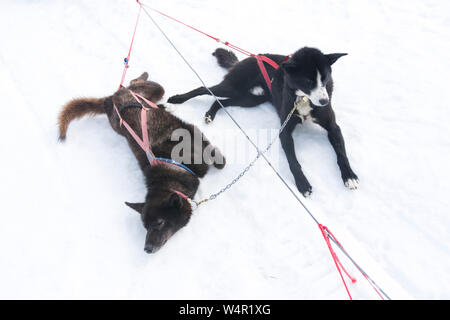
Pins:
<point x="164" y="213"/>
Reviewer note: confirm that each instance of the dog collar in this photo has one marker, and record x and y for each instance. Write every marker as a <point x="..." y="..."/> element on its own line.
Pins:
<point x="191" y="202"/>
<point x="302" y="103"/>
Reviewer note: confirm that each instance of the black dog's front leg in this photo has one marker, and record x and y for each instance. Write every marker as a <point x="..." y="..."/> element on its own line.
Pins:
<point x="287" y="142"/>
<point x="350" y="179"/>
<point x="328" y="121"/>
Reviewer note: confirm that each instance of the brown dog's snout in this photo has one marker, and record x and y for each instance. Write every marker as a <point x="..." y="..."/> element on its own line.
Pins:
<point x="148" y="248"/>
<point x="150" y="243"/>
<point x="155" y="236"/>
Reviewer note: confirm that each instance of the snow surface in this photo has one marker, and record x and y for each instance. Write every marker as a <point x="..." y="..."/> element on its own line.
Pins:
<point x="65" y="232"/>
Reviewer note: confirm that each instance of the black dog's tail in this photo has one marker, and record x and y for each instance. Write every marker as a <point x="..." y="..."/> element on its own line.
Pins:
<point x="225" y="58"/>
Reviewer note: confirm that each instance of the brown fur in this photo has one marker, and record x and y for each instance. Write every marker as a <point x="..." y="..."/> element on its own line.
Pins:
<point x="164" y="212"/>
<point x="78" y="108"/>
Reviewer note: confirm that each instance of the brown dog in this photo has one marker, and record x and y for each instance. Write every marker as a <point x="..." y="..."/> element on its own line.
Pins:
<point x="165" y="210"/>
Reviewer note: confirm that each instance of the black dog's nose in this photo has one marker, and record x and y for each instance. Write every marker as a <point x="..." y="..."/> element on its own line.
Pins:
<point x="323" y="102"/>
<point x="148" y="248"/>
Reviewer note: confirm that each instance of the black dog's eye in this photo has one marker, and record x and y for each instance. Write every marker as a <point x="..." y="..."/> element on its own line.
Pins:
<point x="308" y="83"/>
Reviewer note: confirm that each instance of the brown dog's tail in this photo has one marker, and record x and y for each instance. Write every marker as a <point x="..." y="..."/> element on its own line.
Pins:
<point x="78" y="108"/>
<point x="225" y="58"/>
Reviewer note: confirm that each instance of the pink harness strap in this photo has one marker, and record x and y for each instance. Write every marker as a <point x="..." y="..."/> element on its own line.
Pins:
<point x="181" y="194"/>
<point x="144" y="142"/>
<point x="137" y="96"/>
<point x="127" y="59"/>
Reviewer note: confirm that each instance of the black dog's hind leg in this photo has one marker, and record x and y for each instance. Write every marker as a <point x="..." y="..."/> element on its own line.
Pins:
<point x="247" y="101"/>
<point x="326" y="119"/>
<point x="221" y="90"/>
<point x="287" y="142"/>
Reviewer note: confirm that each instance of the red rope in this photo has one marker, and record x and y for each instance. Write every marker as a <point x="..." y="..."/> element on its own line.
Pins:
<point x="326" y="235"/>
<point x="363" y="273"/>
<point x="259" y="58"/>
<point x="191" y="27"/>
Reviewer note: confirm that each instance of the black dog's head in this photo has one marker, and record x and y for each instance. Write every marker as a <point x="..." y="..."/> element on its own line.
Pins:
<point x="164" y="213"/>
<point x="308" y="72"/>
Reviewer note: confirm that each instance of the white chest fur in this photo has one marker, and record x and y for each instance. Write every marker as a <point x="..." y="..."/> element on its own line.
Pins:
<point x="303" y="107"/>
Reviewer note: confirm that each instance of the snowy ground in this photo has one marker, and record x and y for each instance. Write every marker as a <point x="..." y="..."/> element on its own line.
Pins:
<point x="64" y="230"/>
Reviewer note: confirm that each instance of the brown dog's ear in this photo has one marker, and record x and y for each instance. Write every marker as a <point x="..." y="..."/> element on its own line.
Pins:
<point x="136" y="206"/>
<point x="175" y="201"/>
<point x="142" y="77"/>
<point x="333" y="57"/>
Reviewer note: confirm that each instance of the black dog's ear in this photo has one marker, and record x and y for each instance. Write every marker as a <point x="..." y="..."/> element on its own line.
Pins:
<point x="175" y="201"/>
<point x="333" y="57"/>
<point x="136" y="206"/>
<point x="289" y="67"/>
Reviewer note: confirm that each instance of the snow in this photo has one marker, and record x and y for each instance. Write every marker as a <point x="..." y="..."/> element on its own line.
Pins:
<point x="65" y="232"/>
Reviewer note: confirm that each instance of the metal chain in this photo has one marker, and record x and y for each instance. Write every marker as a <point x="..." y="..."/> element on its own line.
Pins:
<point x="251" y="164"/>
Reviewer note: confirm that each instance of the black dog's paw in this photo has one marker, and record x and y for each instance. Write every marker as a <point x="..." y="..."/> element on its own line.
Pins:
<point x="209" y="118"/>
<point x="176" y="99"/>
<point x="304" y="187"/>
<point x="351" y="180"/>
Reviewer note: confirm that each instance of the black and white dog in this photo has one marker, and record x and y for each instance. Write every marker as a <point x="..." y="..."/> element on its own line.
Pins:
<point x="303" y="80"/>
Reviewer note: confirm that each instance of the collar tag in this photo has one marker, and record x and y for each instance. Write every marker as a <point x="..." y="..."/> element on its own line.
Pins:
<point x="303" y="107"/>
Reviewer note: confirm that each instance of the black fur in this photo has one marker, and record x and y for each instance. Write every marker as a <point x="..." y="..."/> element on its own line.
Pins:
<point x="299" y="72"/>
<point x="225" y="58"/>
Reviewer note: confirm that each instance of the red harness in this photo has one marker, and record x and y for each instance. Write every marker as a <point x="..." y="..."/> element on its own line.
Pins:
<point x="260" y="59"/>
<point x="264" y="73"/>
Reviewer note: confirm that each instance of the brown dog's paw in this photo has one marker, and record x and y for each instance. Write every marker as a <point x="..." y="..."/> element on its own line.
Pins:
<point x="219" y="159"/>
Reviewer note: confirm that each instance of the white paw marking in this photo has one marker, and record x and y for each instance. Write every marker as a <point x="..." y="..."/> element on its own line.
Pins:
<point x="257" y="91"/>
<point x="170" y="107"/>
<point x="307" y="194"/>
<point x="352" y="184"/>
<point x="208" y="119"/>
